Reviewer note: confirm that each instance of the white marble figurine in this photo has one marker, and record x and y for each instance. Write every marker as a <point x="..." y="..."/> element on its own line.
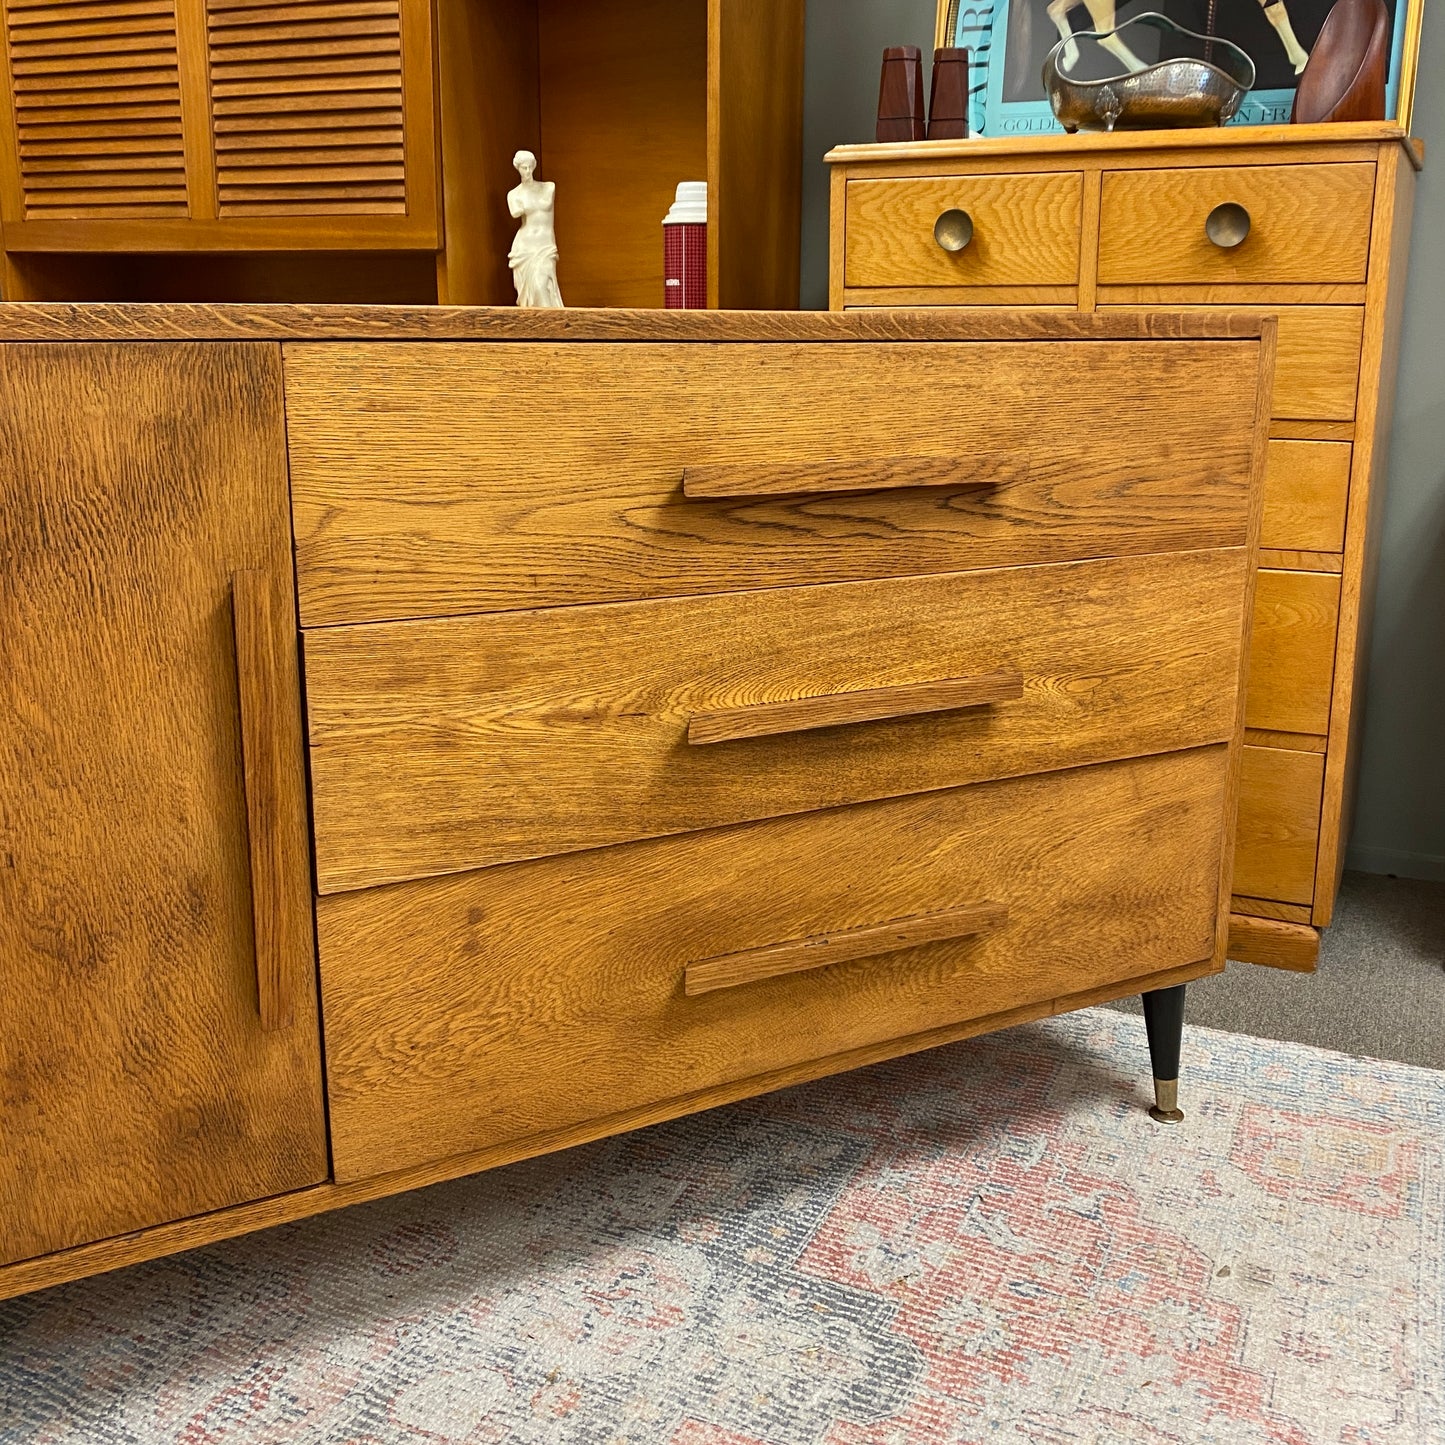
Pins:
<point x="533" y="257"/>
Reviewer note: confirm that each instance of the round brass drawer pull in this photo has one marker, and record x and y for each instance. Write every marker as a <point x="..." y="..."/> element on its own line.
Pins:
<point x="953" y="230"/>
<point x="1227" y="225"/>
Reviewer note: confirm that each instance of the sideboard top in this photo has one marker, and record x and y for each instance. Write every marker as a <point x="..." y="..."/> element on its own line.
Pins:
<point x="1058" y="146"/>
<point x="134" y="321"/>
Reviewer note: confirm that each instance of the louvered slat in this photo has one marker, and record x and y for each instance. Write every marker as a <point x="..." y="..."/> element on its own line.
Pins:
<point x="97" y="108"/>
<point x="307" y="107"/>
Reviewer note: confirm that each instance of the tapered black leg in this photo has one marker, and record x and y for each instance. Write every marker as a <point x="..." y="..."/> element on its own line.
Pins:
<point x="1164" y="1022"/>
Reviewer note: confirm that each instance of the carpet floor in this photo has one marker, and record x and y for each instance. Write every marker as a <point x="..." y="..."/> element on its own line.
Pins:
<point x="987" y="1243"/>
<point x="1379" y="990"/>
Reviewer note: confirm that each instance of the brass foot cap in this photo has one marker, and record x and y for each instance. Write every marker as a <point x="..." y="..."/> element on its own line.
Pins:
<point x="1166" y="1108"/>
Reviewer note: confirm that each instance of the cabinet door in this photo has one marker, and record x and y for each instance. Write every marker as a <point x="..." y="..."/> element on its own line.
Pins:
<point x="142" y="125"/>
<point x="322" y="116"/>
<point x="159" y="1047"/>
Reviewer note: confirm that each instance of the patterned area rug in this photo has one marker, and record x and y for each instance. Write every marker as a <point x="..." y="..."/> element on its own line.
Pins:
<point x="989" y="1243"/>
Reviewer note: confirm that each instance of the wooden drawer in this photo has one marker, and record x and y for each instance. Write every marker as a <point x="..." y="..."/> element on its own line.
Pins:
<point x="1317" y="365"/>
<point x="501" y="1004"/>
<point x="1292" y="651"/>
<point x="423" y="487"/>
<point x="1309" y="224"/>
<point x="1306" y="491"/>
<point x="1025" y="231"/>
<point x="1279" y="824"/>
<point x="444" y="745"/>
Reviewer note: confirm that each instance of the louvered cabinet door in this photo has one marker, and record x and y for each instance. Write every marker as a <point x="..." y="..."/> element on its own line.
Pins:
<point x="321" y="110"/>
<point x="218" y="125"/>
<point x="95" y="91"/>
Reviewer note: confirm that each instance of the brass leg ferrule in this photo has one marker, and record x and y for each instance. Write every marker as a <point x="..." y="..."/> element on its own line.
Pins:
<point x="1166" y="1108"/>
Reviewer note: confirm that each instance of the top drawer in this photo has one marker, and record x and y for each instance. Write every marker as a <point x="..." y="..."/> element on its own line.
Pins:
<point x="1025" y="231"/>
<point x="430" y="479"/>
<point x="1308" y="224"/>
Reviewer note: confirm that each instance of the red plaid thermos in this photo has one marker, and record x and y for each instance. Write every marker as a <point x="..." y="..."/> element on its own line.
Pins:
<point x="684" y="249"/>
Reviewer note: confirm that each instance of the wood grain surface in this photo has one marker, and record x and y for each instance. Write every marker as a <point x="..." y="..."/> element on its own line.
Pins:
<point x="1213" y="145"/>
<point x="1318" y="367"/>
<point x="1279" y="824"/>
<point x="486" y="86"/>
<point x="406" y="465"/>
<point x="123" y="321"/>
<point x="1025" y="231"/>
<point x="1274" y="943"/>
<point x="611" y="73"/>
<point x="1292" y="651"/>
<point x="1268" y="908"/>
<point x="822" y="950"/>
<point x="834" y="709"/>
<point x="451" y="744"/>
<point x="861" y="474"/>
<point x="1306" y="490"/>
<point x="264" y="614"/>
<point x="473" y="1010"/>
<point x="754" y="152"/>
<point x="1307" y="224"/>
<point x="1369" y="476"/>
<point x="1292" y="561"/>
<point x="138" y="1084"/>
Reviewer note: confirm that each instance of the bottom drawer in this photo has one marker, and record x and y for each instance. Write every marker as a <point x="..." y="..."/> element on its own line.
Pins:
<point x="1279" y="824"/>
<point x="468" y="1010"/>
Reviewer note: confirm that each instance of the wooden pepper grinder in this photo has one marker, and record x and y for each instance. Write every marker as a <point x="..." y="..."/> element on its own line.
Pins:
<point x="948" y="103"/>
<point x="900" y="94"/>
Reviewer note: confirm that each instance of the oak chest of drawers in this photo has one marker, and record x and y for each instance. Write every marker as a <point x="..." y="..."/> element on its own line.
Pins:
<point x="641" y="715"/>
<point x="1310" y="223"/>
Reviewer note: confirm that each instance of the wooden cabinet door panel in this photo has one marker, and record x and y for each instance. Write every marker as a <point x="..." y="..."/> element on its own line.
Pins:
<point x="137" y="1083"/>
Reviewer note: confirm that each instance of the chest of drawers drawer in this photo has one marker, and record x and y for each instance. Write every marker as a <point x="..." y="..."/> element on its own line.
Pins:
<point x="467" y="1011"/>
<point x="1306" y="495"/>
<point x="964" y="231"/>
<point x="1292" y="651"/>
<point x="444" y="745"/>
<point x="1202" y="225"/>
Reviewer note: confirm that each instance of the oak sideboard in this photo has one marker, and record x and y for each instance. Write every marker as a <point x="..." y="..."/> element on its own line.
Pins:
<point x="1308" y="222"/>
<point x="435" y="737"/>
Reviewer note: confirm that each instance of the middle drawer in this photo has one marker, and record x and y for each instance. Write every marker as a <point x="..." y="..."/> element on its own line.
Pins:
<point x="457" y="743"/>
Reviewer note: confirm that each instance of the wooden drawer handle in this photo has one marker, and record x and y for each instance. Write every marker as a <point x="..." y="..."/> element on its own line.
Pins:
<point x="263" y="768"/>
<point x="796" y="715"/>
<point x="728" y="970"/>
<point x="875" y="474"/>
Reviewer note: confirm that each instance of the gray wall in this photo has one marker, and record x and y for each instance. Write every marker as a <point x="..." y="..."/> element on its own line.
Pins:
<point x="1400" y="811"/>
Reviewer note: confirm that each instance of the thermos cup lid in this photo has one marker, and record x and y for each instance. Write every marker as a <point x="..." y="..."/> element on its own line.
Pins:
<point x="690" y="207"/>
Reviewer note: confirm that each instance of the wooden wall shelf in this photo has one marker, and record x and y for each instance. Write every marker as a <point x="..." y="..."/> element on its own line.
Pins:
<point x="360" y="150"/>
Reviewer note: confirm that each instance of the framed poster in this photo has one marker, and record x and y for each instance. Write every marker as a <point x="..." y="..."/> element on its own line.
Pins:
<point x="1008" y="40"/>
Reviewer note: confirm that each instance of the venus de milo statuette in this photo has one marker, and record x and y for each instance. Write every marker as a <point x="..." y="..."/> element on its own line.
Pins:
<point x="533" y="257"/>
